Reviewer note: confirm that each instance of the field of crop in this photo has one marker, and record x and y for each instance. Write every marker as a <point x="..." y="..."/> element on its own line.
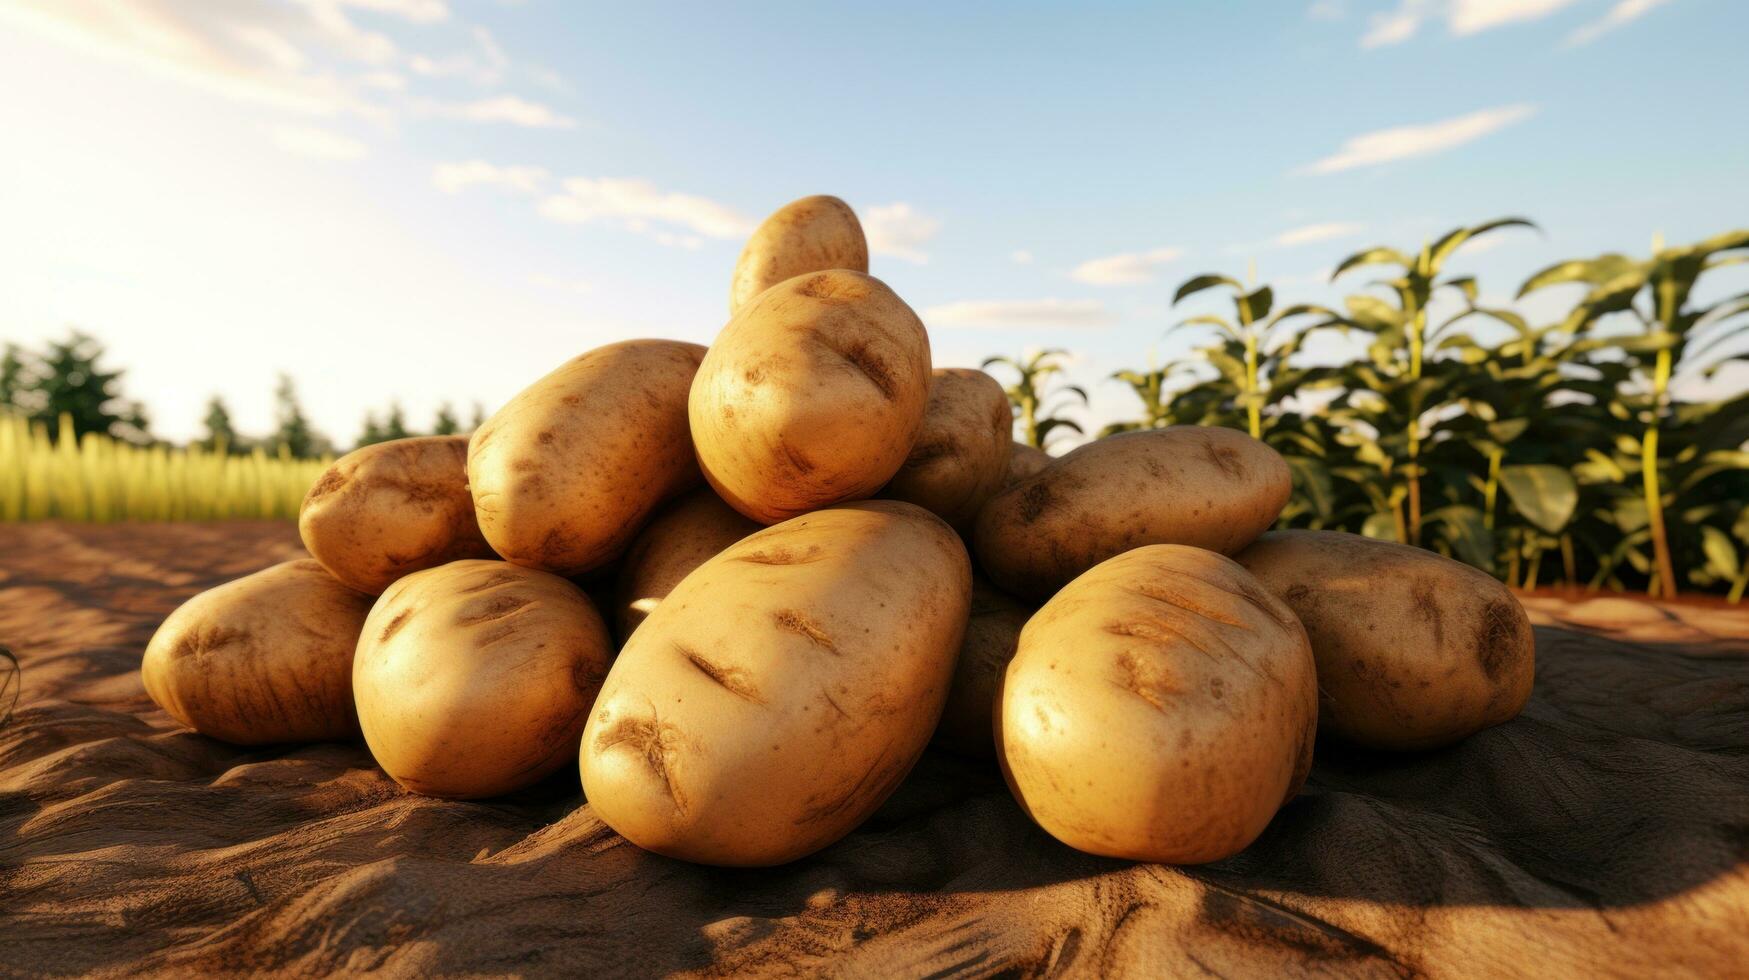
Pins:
<point x="100" y="479"/>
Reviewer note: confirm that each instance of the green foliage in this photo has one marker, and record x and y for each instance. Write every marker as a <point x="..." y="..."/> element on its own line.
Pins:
<point x="1506" y="445"/>
<point x="221" y="436"/>
<point x="1037" y="404"/>
<point x="67" y="379"/>
<point x="294" y="436"/>
<point x="445" y="424"/>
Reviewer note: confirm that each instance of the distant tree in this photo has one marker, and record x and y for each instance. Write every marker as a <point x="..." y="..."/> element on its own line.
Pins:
<point x="395" y="426"/>
<point x="371" y="434"/>
<point x="220" y="435"/>
<point x="479" y="417"/>
<point x="67" y="379"/>
<point x="445" y="424"/>
<point x="294" y="432"/>
<point x="14" y="379"/>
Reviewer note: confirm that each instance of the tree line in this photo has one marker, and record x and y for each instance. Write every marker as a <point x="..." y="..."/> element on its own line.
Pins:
<point x="68" y="378"/>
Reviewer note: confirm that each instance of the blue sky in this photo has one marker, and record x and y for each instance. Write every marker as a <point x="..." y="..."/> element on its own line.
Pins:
<point x="431" y="199"/>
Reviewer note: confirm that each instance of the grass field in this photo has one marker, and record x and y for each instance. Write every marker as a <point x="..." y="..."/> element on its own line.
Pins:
<point x="100" y="479"/>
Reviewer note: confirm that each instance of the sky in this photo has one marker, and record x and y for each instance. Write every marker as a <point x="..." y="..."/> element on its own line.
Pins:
<point x="431" y="200"/>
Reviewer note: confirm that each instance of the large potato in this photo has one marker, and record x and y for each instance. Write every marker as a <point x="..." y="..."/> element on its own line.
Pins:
<point x="383" y="511"/>
<point x="782" y="691"/>
<point x="810" y="235"/>
<point x="1161" y="707"/>
<point x="1023" y="461"/>
<point x="812" y="395"/>
<point x="961" y="455"/>
<point x="264" y="659"/>
<point x="1209" y="487"/>
<point x="1414" y="650"/>
<point x="684" y="536"/>
<point x="565" y="474"/>
<point x="475" y="678"/>
<point x="992" y="633"/>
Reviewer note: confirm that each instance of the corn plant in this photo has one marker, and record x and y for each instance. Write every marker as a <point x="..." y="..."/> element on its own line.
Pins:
<point x="1676" y="336"/>
<point x="1037" y="406"/>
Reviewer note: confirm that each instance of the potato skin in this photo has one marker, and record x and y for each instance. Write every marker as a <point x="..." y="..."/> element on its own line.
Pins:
<point x="383" y="511"/>
<point x="262" y="660"/>
<point x="812" y="234"/>
<point x="968" y="722"/>
<point x="565" y="474"/>
<point x="1161" y="707"/>
<point x="684" y="536"/>
<point x="783" y="690"/>
<point x="1204" y="486"/>
<point x="1414" y="650"/>
<point x="1024" y="461"/>
<point x="961" y="454"/>
<point x="475" y="678"/>
<point x="812" y="395"/>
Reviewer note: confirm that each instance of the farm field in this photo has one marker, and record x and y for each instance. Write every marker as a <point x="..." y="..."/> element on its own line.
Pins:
<point x="1604" y="826"/>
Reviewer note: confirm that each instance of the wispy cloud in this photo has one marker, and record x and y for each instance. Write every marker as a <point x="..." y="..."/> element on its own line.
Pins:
<point x="899" y="230"/>
<point x="1327" y="10"/>
<point x="1126" y="268"/>
<point x="1020" y="256"/>
<point x="1404" y="142"/>
<point x="1623" y="13"/>
<point x="452" y="178"/>
<point x="639" y="206"/>
<point x="1462" y="17"/>
<point x="509" y="109"/>
<point x="1323" y="232"/>
<point x="321" y="144"/>
<point x="1020" y="313"/>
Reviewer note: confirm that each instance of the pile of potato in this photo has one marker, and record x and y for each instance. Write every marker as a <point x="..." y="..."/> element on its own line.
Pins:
<point x="746" y="586"/>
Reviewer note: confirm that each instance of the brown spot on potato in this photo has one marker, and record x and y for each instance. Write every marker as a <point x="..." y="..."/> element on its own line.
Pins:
<point x="925" y="453"/>
<point x="732" y="679"/>
<point x="792" y="621"/>
<point x="1142" y="680"/>
<point x="781" y="556"/>
<point x="1426" y="603"/>
<point x="395" y="625"/>
<point x="797" y="459"/>
<point x="1225" y="458"/>
<point x="1034" y="501"/>
<point x="654" y="741"/>
<point x="874" y="368"/>
<point x="497" y="607"/>
<point x="1498" y="637"/>
<point x="332" y="479"/>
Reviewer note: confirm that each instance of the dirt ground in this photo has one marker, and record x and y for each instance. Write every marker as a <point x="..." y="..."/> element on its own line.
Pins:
<point x="1604" y="832"/>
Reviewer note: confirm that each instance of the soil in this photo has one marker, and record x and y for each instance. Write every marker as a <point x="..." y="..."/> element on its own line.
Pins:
<point x="1603" y="832"/>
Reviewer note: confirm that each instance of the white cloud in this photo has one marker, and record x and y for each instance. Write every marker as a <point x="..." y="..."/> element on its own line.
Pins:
<point x="1020" y="313"/>
<point x="1130" y="267"/>
<point x="1306" y="234"/>
<point x="899" y="230"/>
<point x="513" y="110"/>
<point x="1404" y="142"/>
<point x="1624" y="12"/>
<point x="388" y="81"/>
<point x="1327" y="10"/>
<point x="249" y="50"/>
<point x="453" y="178"/>
<point x="1021" y="256"/>
<point x="321" y="144"/>
<point x="639" y="206"/>
<point x="417" y="11"/>
<point x="1462" y="17"/>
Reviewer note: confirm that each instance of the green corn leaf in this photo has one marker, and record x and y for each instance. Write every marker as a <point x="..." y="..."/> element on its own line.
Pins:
<point x="1372" y="256"/>
<point x="1546" y="495"/>
<point x="1720" y="551"/>
<point x="1208" y="281"/>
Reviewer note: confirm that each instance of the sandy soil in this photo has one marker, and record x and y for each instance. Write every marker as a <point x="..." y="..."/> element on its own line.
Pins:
<point x="1605" y="832"/>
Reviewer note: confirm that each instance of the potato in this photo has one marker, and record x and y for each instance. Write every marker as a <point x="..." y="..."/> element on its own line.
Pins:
<point x="810" y="235"/>
<point x="383" y="511"/>
<point x="264" y="659"/>
<point x="566" y="473"/>
<point x="475" y="678"/>
<point x="812" y="395"/>
<point x="782" y="690"/>
<point x="961" y="455"/>
<point x="969" y="719"/>
<point x="681" y="538"/>
<point x="1023" y="461"/>
<point x="1161" y="707"/>
<point x="1414" y="650"/>
<point x="1208" y="487"/>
